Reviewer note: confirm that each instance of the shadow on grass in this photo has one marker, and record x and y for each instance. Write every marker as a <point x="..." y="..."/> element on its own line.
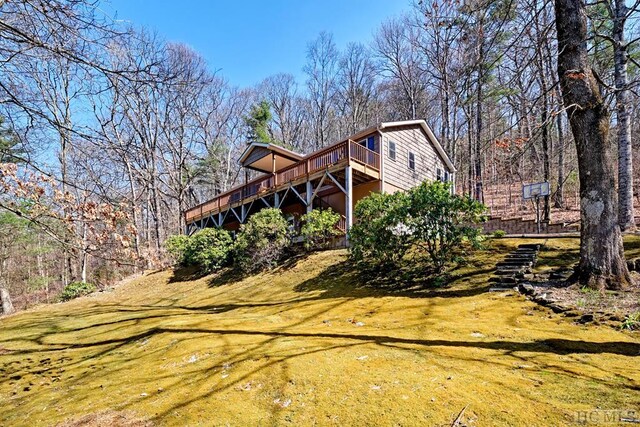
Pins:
<point x="187" y="274"/>
<point x="345" y="280"/>
<point x="233" y="274"/>
<point x="552" y="345"/>
<point x="261" y="347"/>
<point x="230" y="274"/>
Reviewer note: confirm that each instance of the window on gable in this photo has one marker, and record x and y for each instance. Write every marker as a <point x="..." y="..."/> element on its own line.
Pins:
<point x="439" y="176"/>
<point x="392" y="150"/>
<point x="412" y="161"/>
<point x="447" y="176"/>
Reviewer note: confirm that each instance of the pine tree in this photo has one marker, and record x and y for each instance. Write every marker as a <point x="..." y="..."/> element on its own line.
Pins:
<point x="258" y="122"/>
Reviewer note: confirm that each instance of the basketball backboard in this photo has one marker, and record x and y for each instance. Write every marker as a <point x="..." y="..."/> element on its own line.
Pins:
<point x="539" y="189"/>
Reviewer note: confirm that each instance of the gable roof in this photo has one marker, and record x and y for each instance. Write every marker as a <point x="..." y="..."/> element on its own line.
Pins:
<point x="286" y="157"/>
<point x="283" y="156"/>
<point x="432" y="138"/>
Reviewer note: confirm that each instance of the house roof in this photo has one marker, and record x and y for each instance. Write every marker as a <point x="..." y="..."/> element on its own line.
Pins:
<point x="259" y="156"/>
<point x="403" y="123"/>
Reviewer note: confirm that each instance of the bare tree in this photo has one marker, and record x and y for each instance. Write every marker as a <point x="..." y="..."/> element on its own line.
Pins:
<point x="356" y="87"/>
<point x="440" y="42"/>
<point x="395" y="45"/>
<point x="289" y="114"/>
<point x="321" y="71"/>
<point x="179" y="143"/>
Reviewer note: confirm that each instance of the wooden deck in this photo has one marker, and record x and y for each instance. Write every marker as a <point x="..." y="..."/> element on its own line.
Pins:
<point x="333" y="158"/>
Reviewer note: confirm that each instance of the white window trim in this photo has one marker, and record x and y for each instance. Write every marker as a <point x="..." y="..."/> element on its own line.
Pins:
<point x="395" y="150"/>
<point x="409" y="161"/>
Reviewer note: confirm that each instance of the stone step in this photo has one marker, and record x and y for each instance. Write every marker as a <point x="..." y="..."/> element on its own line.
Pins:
<point x="517" y="277"/>
<point x="528" y="263"/>
<point x="501" y="266"/>
<point x="504" y="279"/>
<point x="501" y="288"/>
<point x="515" y="268"/>
<point x="508" y="263"/>
<point x="512" y="268"/>
<point x="525" y="252"/>
<point x="520" y="256"/>
<point x="535" y="246"/>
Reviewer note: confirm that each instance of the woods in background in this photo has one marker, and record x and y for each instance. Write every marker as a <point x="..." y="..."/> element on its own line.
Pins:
<point x="109" y="133"/>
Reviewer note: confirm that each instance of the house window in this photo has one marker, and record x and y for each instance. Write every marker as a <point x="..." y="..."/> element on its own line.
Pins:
<point x="392" y="150"/>
<point x="412" y="161"/>
<point x="447" y="176"/>
<point x="369" y="143"/>
<point x="439" y="174"/>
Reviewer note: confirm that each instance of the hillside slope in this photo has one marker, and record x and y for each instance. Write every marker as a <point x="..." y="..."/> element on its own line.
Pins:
<point x="306" y="345"/>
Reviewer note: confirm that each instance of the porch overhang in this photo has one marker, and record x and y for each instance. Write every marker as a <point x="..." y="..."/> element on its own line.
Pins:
<point x="266" y="157"/>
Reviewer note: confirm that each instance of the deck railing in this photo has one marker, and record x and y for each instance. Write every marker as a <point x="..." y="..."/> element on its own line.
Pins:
<point x="319" y="160"/>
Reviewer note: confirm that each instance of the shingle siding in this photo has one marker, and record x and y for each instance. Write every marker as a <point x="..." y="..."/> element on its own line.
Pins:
<point x="427" y="160"/>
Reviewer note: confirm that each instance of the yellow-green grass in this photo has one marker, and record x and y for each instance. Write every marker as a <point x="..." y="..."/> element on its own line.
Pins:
<point x="307" y="345"/>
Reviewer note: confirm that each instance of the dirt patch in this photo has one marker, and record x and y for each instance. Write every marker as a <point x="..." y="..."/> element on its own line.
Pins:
<point x="108" y="418"/>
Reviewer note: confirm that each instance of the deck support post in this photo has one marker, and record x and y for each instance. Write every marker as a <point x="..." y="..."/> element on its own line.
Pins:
<point x="243" y="213"/>
<point x="309" y="196"/>
<point x="276" y="200"/>
<point x="348" y="200"/>
<point x="381" y="145"/>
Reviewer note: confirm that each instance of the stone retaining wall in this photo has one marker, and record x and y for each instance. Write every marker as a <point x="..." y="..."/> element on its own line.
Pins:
<point x="526" y="226"/>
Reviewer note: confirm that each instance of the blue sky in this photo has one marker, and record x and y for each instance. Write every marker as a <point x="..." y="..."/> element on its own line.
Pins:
<point x="249" y="40"/>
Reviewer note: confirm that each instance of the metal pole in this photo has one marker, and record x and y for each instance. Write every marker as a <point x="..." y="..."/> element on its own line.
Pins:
<point x="538" y="213"/>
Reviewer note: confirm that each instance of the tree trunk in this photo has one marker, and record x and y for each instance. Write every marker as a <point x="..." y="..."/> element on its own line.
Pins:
<point x="85" y="254"/>
<point x="602" y="264"/>
<point x="477" y="166"/>
<point x="559" y="198"/>
<point x="134" y="205"/>
<point x="625" y="163"/>
<point x="6" y="307"/>
<point x="470" y="165"/>
<point x="546" y="155"/>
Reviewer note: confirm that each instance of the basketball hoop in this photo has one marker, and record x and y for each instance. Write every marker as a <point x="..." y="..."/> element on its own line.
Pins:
<point x="534" y="192"/>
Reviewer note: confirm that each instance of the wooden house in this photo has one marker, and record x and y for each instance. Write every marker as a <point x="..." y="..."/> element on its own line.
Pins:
<point x="389" y="157"/>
